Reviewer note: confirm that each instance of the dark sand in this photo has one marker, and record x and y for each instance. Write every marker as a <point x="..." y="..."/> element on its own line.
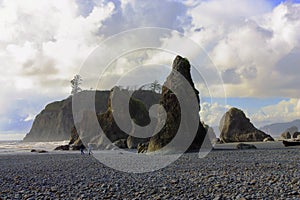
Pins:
<point x="229" y="174"/>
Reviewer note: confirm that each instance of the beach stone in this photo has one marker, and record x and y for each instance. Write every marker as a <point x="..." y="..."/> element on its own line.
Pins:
<point x="62" y="148"/>
<point x="294" y="181"/>
<point x="174" y="181"/>
<point x="236" y="127"/>
<point x="38" y="151"/>
<point x="245" y="146"/>
<point x="252" y="182"/>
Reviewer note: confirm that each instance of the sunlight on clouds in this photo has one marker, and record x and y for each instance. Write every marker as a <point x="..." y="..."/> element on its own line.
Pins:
<point x="211" y="114"/>
<point x="47" y="40"/>
<point x="248" y="43"/>
<point x="284" y="111"/>
<point x="22" y="53"/>
<point x="44" y="43"/>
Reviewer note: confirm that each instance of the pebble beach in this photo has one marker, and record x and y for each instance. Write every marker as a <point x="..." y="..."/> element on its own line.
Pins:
<point x="271" y="173"/>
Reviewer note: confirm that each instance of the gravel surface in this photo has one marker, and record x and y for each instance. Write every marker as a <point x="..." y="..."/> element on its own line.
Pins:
<point x="228" y="174"/>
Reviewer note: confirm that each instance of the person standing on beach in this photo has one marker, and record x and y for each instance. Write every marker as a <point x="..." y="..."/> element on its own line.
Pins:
<point x="82" y="150"/>
<point x="90" y="149"/>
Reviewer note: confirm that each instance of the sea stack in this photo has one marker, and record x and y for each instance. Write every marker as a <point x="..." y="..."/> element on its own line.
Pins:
<point x="92" y="129"/>
<point x="172" y="107"/>
<point x="236" y="127"/>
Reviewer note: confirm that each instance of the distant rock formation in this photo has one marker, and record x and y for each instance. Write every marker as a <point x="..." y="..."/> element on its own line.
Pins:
<point x="55" y="122"/>
<point x="173" y="110"/>
<point x="285" y="135"/>
<point x="296" y="135"/>
<point x="277" y="129"/>
<point x="292" y="130"/>
<point x="236" y="127"/>
<point x="288" y="133"/>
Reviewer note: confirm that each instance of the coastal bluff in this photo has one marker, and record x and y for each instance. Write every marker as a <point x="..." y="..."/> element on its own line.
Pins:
<point x="55" y="121"/>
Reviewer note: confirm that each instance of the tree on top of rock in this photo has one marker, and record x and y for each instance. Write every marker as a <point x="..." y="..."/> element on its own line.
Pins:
<point x="155" y="87"/>
<point x="75" y="84"/>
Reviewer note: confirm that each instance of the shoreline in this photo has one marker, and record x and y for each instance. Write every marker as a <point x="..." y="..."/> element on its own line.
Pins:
<point x="26" y="147"/>
<point x="237" y="174"/>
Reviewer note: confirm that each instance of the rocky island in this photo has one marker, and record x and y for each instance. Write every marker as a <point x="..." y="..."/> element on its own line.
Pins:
<point x="236" y="127"/>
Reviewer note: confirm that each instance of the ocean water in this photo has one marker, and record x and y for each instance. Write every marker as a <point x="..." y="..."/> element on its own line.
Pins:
<point x="7" y="147"/>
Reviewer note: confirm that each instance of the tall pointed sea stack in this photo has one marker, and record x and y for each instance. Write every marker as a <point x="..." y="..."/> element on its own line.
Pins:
<point x="174" y="111"/>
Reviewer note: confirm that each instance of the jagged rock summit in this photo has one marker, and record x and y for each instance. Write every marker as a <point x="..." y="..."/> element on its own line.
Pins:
<point x="236" y="127"/>
<point x="172" y="107"/>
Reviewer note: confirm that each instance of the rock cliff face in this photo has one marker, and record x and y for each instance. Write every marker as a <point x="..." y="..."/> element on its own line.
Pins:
<point x="55" y="122"/>
<point x="137" y="110"/>
<point x="236" y="127"/>
<point x="139" y="104"/>
<point x="173" y="110"/>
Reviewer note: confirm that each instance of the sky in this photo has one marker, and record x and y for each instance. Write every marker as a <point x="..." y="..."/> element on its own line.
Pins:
<point x="254" y="44"/>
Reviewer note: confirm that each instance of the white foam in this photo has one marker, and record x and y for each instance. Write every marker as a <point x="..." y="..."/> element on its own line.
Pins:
<point x="20" y="146"/>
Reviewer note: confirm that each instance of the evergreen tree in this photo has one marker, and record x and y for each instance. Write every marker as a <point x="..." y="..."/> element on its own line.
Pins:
<point x="75" y="84"/>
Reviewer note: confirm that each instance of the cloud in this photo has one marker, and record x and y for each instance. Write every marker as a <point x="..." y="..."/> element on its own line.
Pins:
<point x="43" y="44"/>
<point x="155" y="13"/>
<point x="246" y="40"/>
<point x="213" y="20"/>
<point x="211" y="113"/>
<point x="47" y="40"/>
<point x="284" y="111"/>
